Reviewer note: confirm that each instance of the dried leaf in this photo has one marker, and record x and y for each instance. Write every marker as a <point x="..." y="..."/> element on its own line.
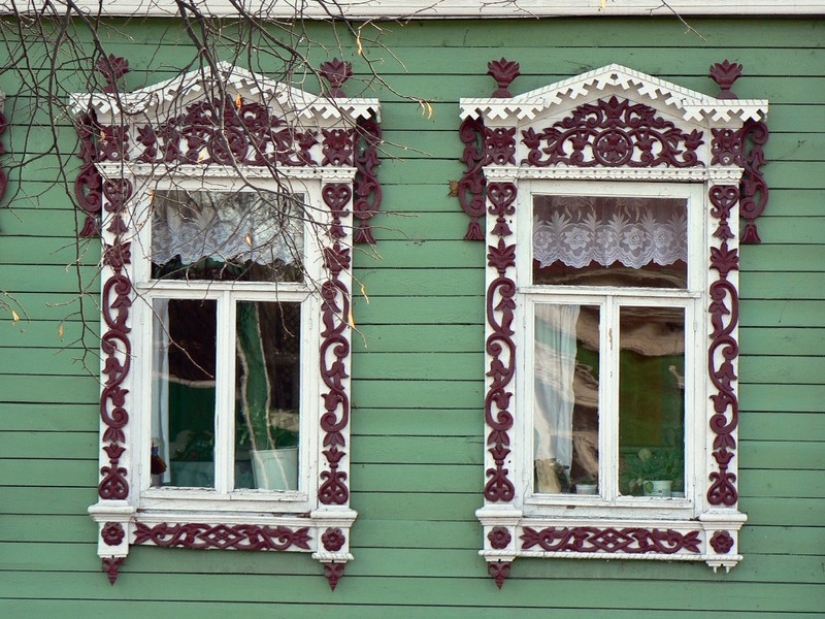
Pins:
<point x="60" y="331"/>
<point x="238" y="101"/>
<point x="351" y="319"/>
<point x="15" y="316"/>
<point x="364" y="292"/>
<point x="248" y="239"/>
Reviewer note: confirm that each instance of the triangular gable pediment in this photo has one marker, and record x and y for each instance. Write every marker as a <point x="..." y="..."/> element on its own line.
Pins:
<point x="616" y="80"/>
<point x="155" y="104"/>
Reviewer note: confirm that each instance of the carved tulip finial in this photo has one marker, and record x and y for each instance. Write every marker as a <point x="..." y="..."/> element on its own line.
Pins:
<point x="113" y="68"/>
<point x="725" y="74"/>
<point x="336" y="72"/>
<point x="504" y="72"/>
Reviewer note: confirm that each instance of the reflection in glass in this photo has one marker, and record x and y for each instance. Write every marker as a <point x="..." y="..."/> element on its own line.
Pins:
<point x="652" y="401"/>
<point x="243" y="236"/>
<point x="566" y="414"/>
<point x="610" y="241"/>
<point x="267" y="394"/>
<point x="183" y="392"/>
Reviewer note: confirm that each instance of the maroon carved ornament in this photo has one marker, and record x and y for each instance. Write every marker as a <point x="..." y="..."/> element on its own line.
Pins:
<point x="472" y="187"/>
<point x="335" y="349"/>
<point x="610" y="540"/>
<point x="613" y="133"/>
<point x="503" y="72"/>
<point x="499" y="538"/>
<point x="334" y="572"/>
<point x="336" y="72"/>
<point x="721" y="542"/>
<point x="499" y="570"/>
<point x="111" y="565"/>
<point x="725" y="74"/>
<point x="113" y="68"/>
<point x="501" y="347"/>
<point x="367" y="187"/>
<point x="115" y="344"/>
<point x="112" y="533"/>
<point x="200" y="536"/>
<point x="724" y="316"/>
<point x="333" y="539"/>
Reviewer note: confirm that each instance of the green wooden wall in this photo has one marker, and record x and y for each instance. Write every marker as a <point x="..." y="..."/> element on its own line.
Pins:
<point x="418" y="366"/>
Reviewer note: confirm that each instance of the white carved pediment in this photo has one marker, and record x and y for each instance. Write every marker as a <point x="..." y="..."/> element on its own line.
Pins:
<point x="168" y="98"/>
<point x="615" y="80"/>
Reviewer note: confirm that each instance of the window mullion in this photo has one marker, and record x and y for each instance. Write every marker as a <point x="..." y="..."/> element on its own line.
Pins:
<point x="609" y="400"/>
<point x="224" y="394"/>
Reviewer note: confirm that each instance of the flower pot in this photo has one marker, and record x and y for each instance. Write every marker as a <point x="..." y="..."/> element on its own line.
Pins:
<point x="587" y="489"/>
<point x="659" y="488"/>
<point x="275" y="469"/>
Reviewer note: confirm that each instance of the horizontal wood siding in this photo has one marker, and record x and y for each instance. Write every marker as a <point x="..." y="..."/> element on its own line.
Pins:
<point x="418" y="365"/>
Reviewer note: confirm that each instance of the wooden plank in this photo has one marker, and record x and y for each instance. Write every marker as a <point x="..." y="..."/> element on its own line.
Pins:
<point x="437" y="394"/>
<point x="22" y="447"/>
<point x="782" y="426"/>
<point x="48" y="418"/>
<point x="783" y="313"/>
<point x="62" y="390"/>
<point x="447" y="450"/>
<point x="805" y="342"/>
<point x="416" y="422"/>
<point x="789" y="370"/>
<point x="420" y="338"/>
<point x="418" y="366"/>
<point x="778" y="397"/>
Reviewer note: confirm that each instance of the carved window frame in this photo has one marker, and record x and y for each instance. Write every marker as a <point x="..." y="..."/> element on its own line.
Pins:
<point x="329" y="157"/>
<point x="555" y="135"/>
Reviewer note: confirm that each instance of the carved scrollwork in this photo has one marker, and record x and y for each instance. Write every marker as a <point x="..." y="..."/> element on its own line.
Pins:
<point x="236" y="537"/>
<point x="724" y="348"/>
<point x="613" y="133"/>
<point x="610" y="540"/>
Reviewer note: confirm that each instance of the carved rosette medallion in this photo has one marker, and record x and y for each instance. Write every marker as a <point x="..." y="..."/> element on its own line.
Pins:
<point x="612" y="133"/>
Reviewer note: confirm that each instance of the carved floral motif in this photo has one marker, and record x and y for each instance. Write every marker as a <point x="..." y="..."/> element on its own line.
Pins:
<point x="226" y="132"/>
<point x="335" y="349"/>
<point x="336" y="72"/>
<point x="111" y="565"/>
<point x="222" y="536"/>
<point x="333" y="573"/>
<point x="499" y="538"/>
<point x="721" y="542"/>
<point x="500" y="347"/>
<point x="724" y="348"/>
<point x="613" y="133"/>
<point x="112" y="533"/>
<point x="503" y="72"/>
<point x="610" y="540"/>
<point x="367" y="187"/>
<point x="116" y="344"/>
<point x="333" y="539"/>
<point x="472" y="187"/>
<point x="88" y="185"/>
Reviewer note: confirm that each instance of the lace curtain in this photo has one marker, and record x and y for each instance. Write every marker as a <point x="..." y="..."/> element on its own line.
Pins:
<point x="578" y="230"/>
<point x="239" y="227"/>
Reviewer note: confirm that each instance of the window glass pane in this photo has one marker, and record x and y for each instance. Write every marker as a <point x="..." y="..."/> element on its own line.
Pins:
<point x="245" y="236"/>
<point x="183" y="392"/>
<point x="652" y="401"/>
<point x="610" y="241"/>
<point x="566" y="383"/>
<point x="267" y="394"/>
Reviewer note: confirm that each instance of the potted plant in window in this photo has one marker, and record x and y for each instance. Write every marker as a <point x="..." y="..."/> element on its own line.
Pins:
<point x="653" y="471"/>
<point x="272" y="437"/>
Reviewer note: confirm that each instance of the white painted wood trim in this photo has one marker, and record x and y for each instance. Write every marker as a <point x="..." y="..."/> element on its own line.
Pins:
<point x="438" y="9"/>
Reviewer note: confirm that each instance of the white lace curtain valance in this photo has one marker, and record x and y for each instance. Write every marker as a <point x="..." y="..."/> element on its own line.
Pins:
<point x="240" y="227"/>
<point x="578" y="230"/>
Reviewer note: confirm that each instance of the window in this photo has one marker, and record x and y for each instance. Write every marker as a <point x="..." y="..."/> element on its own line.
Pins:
<point x="228" y="203"/>
<point x="608" y="298"/>
<point x="608" y="205"/>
